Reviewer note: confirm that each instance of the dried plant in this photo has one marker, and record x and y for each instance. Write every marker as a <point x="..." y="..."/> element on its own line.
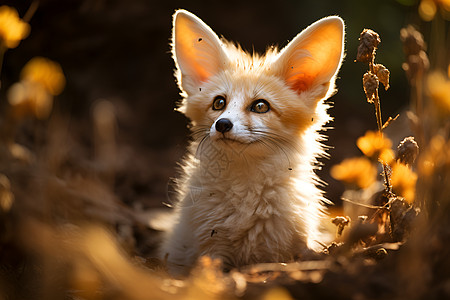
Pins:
<point x="368" y="44"/>
<point x="390" y="209"/>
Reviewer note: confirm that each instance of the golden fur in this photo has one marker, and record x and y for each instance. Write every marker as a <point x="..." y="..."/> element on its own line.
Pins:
<point x="249" y="194"/>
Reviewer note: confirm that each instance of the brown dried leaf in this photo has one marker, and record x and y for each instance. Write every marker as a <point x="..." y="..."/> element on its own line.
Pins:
<point x="368" y="43"/>
<point x="340" y="222"/>
<point x="370" y="84"/>
<point x="407" y="151"/>
<point x="402" y="216"/>
<point x="382" y="74"/>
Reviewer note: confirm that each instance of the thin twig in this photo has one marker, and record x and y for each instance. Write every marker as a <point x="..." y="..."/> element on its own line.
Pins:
<point x="380" y="130"/>
<point x="376" y="103"/>
<point x="313" y="265"/>
<point x="374" y="248"/>
<point x="31" y="10"/>
<point x="389" y="121"/>
<point x="362" y="204"/>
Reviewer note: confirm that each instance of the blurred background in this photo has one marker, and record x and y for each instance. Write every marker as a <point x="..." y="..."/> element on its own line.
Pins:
<point x="119" y="51"/>
<point x="108" y="152"/>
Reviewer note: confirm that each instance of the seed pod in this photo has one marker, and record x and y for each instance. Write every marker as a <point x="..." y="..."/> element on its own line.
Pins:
<point x="402" y="216"/>
<point x="340" y="222"/>
<point x="407" y="151"/>
<point x="382" y="74"/>
<point x="368" y="43"/>
<point x="370" y="84"/>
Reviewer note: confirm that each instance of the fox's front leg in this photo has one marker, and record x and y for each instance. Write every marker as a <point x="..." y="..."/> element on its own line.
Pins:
<point x="179" y="249"/>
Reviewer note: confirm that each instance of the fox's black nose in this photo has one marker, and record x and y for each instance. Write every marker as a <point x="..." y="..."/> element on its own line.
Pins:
<point x="223" y="125"/>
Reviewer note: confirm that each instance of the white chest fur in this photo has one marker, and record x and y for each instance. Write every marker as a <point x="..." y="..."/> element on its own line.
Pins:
<point x="243" y="211"/>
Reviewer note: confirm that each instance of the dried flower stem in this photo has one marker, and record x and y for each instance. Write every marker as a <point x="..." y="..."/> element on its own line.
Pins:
<point x="31" y="10"/>
<point x="368" y="43"/>
<point x="377" y="105"/>
<point x="377" y="101"/>
<point x="385" y="166"/>
<point x="314" y="265"/>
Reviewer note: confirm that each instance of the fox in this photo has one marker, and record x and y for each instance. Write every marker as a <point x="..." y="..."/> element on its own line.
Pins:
<point x="248" y="192"/>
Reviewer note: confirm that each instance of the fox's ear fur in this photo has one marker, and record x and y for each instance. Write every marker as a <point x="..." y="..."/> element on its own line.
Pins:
<point x="313" y="57"/>
<point x="197" y="50"/>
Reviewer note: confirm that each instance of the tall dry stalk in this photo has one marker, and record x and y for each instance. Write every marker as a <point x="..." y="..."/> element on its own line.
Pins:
<point x="368" y="44"/>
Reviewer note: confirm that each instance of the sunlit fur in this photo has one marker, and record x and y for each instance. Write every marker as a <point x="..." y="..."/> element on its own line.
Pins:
<point x="248" y="195"/>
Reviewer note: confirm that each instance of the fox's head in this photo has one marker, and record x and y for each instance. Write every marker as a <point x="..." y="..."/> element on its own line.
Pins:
<point x="237" y="99"/>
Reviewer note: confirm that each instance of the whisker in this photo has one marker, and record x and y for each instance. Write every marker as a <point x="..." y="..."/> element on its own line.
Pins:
<point x="277" y="138"/>
<point x="268" y="139"/>
<point x="199" y="131"/>
<point x="199" y="134"/>
<point x="275" y="142"/>
<point x="280" y="142"/>
<point x="200" y="145"/>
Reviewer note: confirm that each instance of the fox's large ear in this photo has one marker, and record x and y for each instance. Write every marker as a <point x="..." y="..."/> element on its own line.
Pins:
<point x="314" y="56"/>
<point x="197" y="50"/>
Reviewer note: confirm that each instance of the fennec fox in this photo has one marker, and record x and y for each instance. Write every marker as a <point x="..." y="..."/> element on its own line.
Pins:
<point x="248" y="192"/>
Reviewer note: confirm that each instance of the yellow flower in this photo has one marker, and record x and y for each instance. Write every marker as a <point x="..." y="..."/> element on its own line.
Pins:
<point x="403" y="181"/>
<point x="46" y="72"/>
<point x="12" y="28"/>
<point x="359" y="171"/>
<point x="427" y="10"/>
<point x="375" y="146"/>
<point x="439" y="91"/>
<point x="277" y="293"/>
<point x="28" y="97"/>
<point x="41" y="80"/>
<point x="386" y="156"/>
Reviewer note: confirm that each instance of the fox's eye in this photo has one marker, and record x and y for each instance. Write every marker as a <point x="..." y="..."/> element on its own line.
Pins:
<point x="219" y="103"/>
<point x="260" y="106"/>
